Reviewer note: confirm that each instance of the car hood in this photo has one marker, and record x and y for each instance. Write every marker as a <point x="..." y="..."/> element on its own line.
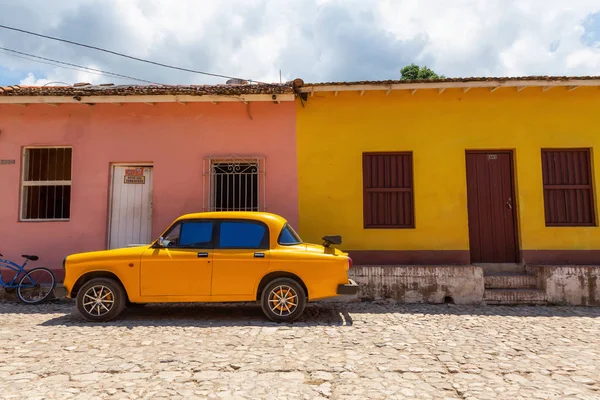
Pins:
<point x="124" y="253"/>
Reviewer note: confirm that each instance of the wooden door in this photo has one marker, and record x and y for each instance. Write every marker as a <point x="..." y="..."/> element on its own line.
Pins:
<point x="130" y="206"/>
<point x="491" y="207"/>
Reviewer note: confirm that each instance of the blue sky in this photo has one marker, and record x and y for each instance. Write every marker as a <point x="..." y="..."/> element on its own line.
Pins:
<point x="317" y="40"/>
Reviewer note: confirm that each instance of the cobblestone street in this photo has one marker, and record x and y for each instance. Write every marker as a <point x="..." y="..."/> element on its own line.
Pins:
<point x="349" y="351"/>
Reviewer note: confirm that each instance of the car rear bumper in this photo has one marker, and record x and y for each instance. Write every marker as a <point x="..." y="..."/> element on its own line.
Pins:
<point x="349" y="288"/>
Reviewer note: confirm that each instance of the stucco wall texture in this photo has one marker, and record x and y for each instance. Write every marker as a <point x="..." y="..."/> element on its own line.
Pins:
<point x="334" y="130"/>
<point x="174" y="138"/>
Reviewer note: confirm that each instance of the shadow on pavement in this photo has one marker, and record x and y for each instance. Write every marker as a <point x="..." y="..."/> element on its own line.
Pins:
<point x="316" y="314"/>
<point x="208" y="316"/>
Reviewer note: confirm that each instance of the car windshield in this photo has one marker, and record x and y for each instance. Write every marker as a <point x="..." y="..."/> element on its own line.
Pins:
<point x="288" y="236"/>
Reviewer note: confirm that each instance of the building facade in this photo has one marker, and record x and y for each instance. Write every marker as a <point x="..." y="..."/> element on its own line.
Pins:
<point x="454" y="171"/>
<point x="92" y="168"/>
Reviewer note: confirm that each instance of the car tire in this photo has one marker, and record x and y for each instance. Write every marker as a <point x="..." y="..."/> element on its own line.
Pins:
<point x="101" y="299"/>
<point x="283" y="300"/>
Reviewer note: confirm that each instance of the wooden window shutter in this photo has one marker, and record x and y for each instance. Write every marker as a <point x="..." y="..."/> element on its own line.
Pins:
<point x="568" y="189"/>
<point x="388" y="198"/>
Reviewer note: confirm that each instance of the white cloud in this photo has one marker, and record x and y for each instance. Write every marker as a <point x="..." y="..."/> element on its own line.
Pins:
<point x="313" y="39"/>
<point x="31" y="80"/>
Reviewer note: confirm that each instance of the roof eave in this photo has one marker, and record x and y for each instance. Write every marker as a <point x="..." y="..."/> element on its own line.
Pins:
<point x="341" y="87"/>
<point x="244" y="98"/>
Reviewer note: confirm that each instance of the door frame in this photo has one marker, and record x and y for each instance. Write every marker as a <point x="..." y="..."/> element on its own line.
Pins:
<point x="513" y="190"/>
<point x="111" y="183"/>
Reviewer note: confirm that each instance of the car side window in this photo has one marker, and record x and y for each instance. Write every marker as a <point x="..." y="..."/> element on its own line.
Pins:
<point x="288" y="236"/>
<point x="243" y="235"/>
<point x="191" y="234"/>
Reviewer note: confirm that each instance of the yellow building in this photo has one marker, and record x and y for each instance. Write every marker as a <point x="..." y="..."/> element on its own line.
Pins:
<point x="452" y="171"/>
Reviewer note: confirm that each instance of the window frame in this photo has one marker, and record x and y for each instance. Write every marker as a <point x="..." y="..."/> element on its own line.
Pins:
<point x="365" y="156"/>
<point x="590" y="187"/>
<point x="217" y="239"/>
<point x="23" y="184"/>
<point x="285" y="226"/>
<point x="180" y="223"/>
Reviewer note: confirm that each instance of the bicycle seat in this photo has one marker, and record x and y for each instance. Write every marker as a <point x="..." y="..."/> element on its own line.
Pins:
<point x="30" y="258"/>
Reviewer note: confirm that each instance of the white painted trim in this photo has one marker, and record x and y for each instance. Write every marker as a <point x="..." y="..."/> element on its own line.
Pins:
<point x="47" y="183"/>
<point x="54" y="100"/>
<point x="448" y="85"/>
<point x="45" y="220"/>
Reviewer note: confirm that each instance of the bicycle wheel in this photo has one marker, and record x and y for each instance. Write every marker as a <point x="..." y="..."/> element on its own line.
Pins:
<point x="36" y="286"/>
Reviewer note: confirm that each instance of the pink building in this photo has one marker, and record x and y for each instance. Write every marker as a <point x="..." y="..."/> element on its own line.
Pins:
<point x="90" y="168"/>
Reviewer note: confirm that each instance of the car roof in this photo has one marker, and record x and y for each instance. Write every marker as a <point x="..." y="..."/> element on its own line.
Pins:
<point x="253" y="215"/>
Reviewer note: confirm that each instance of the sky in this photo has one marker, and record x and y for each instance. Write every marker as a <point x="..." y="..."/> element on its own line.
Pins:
<point x="316" y="40"/>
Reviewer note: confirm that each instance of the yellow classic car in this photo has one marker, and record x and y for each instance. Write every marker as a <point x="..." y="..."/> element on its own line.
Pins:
<point x="212" y="257"/>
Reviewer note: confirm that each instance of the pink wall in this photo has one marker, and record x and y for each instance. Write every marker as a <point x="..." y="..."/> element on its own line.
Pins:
<point x="175" y="138"/>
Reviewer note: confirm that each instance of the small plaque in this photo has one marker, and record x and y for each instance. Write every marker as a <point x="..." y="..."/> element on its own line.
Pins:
<point x="492" y="156"/>
<point x="134" y="172"/>
<point x="135" y="180"/>
<point x="6" y="162"/>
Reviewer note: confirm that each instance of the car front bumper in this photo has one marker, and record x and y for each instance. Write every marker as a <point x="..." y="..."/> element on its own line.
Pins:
<point x="349" y="288"/>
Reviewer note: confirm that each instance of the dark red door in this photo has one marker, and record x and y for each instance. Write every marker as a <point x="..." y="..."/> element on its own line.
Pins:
<point x="490" y="201"/>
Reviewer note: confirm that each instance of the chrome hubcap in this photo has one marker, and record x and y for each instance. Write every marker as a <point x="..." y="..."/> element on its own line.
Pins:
<point x="98" y="300"/>
<point x="283" y="300"/>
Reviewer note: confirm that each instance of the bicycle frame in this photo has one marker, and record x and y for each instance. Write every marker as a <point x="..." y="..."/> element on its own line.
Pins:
<point x="19" y="269"/>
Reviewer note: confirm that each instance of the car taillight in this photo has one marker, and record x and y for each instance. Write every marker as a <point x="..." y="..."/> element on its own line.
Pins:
<point x="349" y="263"/>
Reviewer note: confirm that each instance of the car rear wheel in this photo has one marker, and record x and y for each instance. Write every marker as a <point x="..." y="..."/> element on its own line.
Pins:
<point x="283" y="300"/>
<point x="101" y="299"/>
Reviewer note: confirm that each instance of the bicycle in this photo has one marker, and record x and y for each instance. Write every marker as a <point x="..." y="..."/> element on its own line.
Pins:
<point x="34" y="286"/>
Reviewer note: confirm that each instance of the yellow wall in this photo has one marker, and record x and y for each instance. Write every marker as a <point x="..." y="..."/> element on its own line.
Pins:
<point x="334" y="131"/>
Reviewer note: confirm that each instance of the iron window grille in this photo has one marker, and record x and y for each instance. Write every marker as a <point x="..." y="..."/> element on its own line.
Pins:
<point x="234" y="183"/>
<point x="46" y="184"/>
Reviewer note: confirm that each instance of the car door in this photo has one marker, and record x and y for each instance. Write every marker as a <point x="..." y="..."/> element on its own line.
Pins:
<point x="240" y="259"/>
<point x="184" y="266"/>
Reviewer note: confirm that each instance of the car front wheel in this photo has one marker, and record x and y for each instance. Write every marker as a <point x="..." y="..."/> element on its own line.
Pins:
<point x="283" y="300"/>
<point x="101" y="299"/>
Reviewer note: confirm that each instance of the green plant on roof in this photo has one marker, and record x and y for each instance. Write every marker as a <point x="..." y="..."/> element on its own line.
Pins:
<point x="414" y="72"/>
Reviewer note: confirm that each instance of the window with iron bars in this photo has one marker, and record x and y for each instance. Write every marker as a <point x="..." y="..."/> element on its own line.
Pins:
<point x="235" y="184"/>
<point x="46" y="184"/>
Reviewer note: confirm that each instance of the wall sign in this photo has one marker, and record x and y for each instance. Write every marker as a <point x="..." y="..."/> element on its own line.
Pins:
<point x="3" y="162"/>
<point x="135" y="180"/>
<point x="134" y="172"/>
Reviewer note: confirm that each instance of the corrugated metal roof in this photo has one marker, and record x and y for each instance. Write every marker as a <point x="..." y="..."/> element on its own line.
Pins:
<point x="141" y="90"/>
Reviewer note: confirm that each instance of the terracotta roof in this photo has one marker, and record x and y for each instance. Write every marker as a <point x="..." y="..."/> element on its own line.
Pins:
<point x="461" y="80"/>
<point x="141" y="90"/>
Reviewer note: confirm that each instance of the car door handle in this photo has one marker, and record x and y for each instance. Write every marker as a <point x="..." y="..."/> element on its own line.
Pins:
<point x="203" y="255"/>
<point x="259" y="255"/>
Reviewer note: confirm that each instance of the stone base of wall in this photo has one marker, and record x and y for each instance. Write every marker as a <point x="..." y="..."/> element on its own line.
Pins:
<point x="572" y="285"/>
<point x="420" y="284"/>
<point x="558" y="285"/>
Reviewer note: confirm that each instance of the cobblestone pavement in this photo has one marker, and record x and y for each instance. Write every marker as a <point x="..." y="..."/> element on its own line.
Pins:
<point x="349" y="351"/>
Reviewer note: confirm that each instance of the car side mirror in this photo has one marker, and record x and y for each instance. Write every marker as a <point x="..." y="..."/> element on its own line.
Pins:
<point x="160" y="243"/>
